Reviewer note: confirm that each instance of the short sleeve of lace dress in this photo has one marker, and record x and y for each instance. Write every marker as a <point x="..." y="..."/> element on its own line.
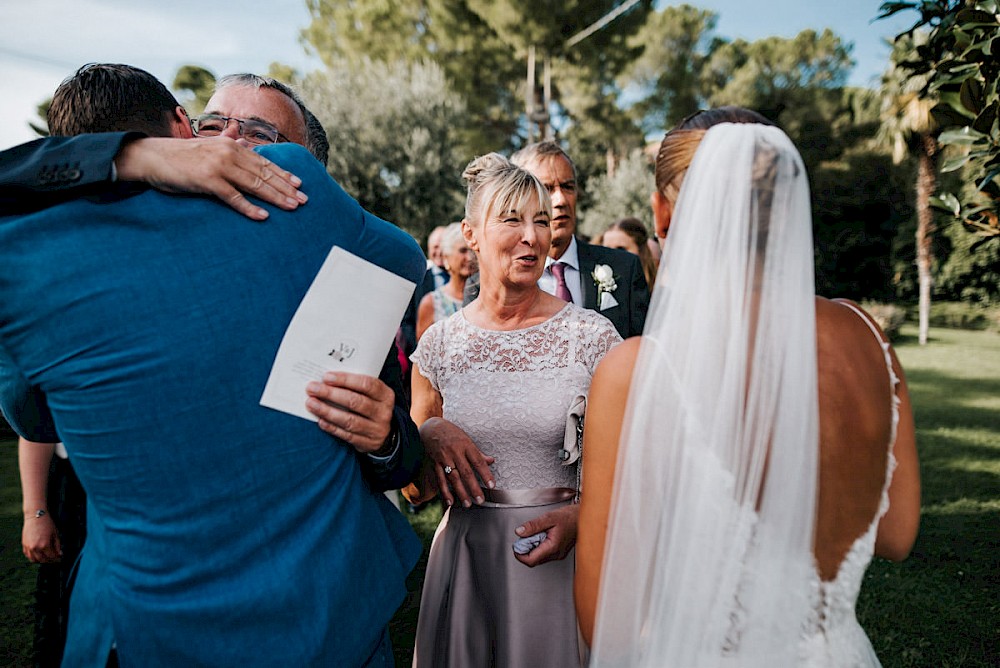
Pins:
<point x="430" y="353"/>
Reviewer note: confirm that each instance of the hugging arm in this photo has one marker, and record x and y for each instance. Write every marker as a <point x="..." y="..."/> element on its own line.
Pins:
<point x="48" y="171"/>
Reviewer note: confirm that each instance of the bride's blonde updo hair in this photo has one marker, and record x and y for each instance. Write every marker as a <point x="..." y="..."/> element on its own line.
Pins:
<point x="680" y="144"/>
<point x="495" y="185"/>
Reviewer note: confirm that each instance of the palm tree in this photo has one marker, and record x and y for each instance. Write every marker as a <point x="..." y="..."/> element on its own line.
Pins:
<point x="908" y="127"/>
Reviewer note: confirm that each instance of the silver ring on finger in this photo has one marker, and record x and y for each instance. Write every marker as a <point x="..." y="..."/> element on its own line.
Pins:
<point x="448" y="469"/>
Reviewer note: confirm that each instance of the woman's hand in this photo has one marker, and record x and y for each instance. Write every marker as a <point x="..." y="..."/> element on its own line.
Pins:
<point x="215" y="166"/>
<point x="458" y="464"/>
<point x="560" y="525"/>
<point x="40" y="540"/>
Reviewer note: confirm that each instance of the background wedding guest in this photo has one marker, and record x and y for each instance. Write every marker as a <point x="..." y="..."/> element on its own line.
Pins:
<point x="435" y="256"/>
<point x="766" y="436"/>
<point x="492" y="389"/>
<point x="460" y="262"/>
<point x="207" y="513"/>
<point x="629" y="234"/>
<point x="55" y="527"/>
<point x="436" y="277"/>
<point x="569" y="269"/>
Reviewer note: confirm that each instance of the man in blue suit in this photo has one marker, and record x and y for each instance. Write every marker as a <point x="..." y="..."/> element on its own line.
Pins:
<point x="140" y="328"/>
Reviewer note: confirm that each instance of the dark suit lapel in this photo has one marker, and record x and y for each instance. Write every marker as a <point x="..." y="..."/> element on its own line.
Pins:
<point x="587" y="264"/>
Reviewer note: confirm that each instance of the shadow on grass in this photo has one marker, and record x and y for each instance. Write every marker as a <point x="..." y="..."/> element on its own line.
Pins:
<point x="945" y="399"/>
<point x="939" y="607"/>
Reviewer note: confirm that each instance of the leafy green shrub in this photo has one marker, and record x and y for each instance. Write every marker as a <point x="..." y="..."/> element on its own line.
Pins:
<point x="888" y="316"/>
<point x="960" y="315"/>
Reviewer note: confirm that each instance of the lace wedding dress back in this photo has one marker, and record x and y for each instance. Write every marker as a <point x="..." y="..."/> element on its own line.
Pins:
<point x="832" y="636"/>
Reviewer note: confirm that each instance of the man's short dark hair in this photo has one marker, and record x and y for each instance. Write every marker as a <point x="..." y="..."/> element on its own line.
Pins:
<point x="317" y="141"/>
<point x="107" y="97"/>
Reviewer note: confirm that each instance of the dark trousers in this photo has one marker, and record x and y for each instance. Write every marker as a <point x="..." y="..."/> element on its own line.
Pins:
<point x="68" y="507"/>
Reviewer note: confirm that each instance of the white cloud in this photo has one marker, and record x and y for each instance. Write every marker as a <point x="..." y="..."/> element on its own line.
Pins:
<point x="43" y="42"/>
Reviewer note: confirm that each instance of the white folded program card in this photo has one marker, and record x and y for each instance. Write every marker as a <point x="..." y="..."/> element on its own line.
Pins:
<point x="346" y="322"/>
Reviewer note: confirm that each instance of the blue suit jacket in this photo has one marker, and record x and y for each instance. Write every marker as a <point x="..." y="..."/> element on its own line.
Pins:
<point x="45" y="172"/>
<point x="141" y="330"/>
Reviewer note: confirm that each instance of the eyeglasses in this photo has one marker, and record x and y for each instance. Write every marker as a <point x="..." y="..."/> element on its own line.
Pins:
<point x="255" y="132"/>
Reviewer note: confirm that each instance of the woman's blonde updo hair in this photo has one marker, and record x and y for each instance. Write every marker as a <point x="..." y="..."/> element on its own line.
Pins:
<point x="680" y="144"/>
<point x="496" y="185"/>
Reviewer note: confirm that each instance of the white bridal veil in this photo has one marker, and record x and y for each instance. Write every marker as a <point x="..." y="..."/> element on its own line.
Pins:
<point x="709" y="553"/>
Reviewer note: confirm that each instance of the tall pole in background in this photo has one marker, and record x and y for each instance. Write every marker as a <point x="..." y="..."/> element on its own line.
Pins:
<point x="529" y="93"/>
<point x="536" y="102"/>
<point x="537" y="110"/>
<point x="547" y="98"/>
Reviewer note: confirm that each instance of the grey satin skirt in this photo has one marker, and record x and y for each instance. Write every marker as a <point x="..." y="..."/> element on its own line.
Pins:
<point x="482" y="608"/>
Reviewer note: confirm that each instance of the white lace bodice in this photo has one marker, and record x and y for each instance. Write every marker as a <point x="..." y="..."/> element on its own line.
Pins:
<point x="510" y="391"/>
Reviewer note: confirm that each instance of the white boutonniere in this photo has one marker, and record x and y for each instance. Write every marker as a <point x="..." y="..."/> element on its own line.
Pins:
<point x="604" y="277"/>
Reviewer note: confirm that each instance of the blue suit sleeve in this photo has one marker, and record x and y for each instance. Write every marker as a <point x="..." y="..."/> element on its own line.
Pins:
<point x="48" y="171"/>
<point x="23" y="405"/>
<point x="402" y="467"/>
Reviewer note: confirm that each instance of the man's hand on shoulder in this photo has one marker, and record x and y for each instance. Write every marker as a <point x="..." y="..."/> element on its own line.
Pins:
<point x="215" y="166"/>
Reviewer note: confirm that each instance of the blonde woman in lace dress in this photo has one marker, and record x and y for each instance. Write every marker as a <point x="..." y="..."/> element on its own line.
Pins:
<point x="748" y="455"/>
<point x="492" y="390"/>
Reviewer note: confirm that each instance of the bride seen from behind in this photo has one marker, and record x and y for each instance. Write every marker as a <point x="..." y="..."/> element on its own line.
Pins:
<point x="747" y="455"/>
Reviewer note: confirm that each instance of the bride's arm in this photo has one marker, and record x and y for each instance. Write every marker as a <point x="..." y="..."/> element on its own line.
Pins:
<point x="605" y="412"/>
<point x="897" y="530"/>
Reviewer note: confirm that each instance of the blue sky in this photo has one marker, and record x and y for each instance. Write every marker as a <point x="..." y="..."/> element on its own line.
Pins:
<point x="43" y="41"/>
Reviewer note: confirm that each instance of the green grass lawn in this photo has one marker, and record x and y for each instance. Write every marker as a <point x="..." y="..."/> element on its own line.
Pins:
<point x="940" y="608"/>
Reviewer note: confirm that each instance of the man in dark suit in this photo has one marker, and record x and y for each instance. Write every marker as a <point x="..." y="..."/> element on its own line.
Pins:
<point x="435" y="258"/>
<point x="618" y="289"/>
<point x="139" y="328"/>
<point x="624" y="297"/>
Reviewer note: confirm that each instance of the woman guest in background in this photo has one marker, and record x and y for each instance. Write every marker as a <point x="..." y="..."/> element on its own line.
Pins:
<point x="766" y="435"/>
<point x="493" y="388"/>
<point x="630" y="234"/>
<point x="460" y="262"/>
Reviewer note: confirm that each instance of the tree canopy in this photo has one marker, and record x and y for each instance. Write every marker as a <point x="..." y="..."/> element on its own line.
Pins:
<point x="411" y="90"/>
<point x="959" y="65"/>
<point x="394" y="143"/>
